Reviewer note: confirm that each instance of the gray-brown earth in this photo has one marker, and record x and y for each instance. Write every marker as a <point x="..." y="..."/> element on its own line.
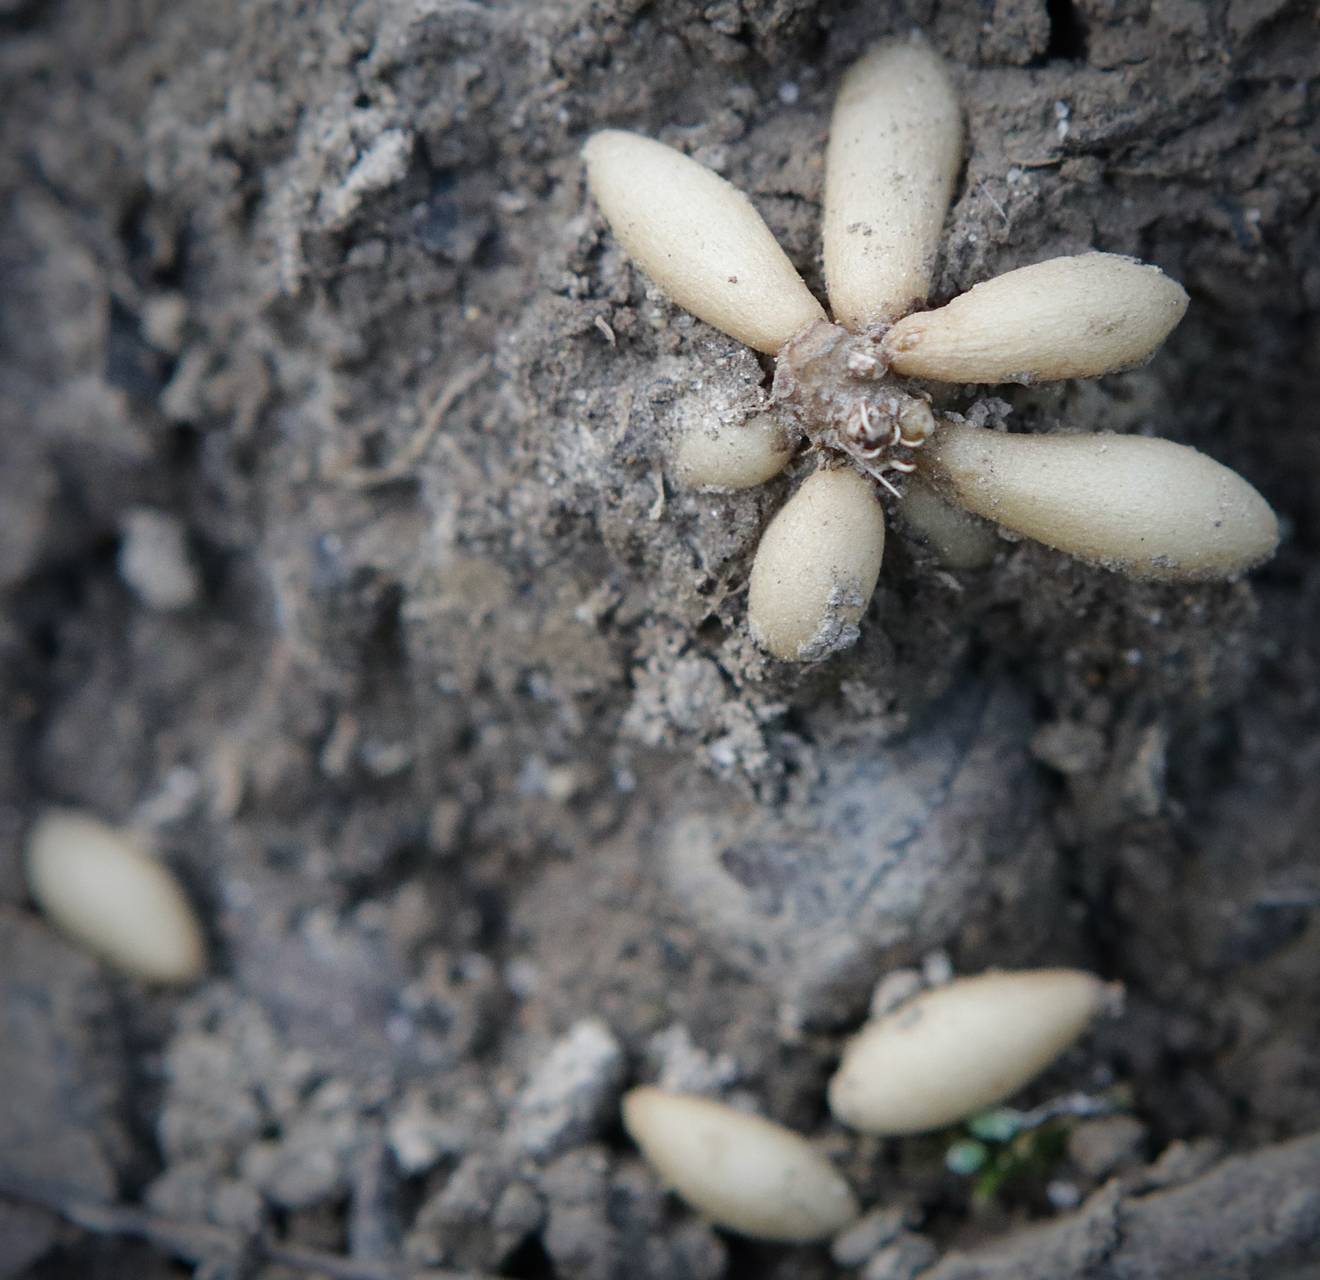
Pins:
<point x="338" y="552"/>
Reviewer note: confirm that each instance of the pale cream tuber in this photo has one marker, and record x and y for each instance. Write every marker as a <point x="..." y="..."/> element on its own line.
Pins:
<point x="740" y="1171"/>
<point x="894" y="151"/>
<point x="960" y="540"/>
<point x="957" y="1049"/>
<point x="720" y="455"/>
<point x="1065" y="318"/>
<point x="699" y="239"/>
<point x="1147" y="507"/>
<point x="816" y="567"/>
<point x="100" y="887"/>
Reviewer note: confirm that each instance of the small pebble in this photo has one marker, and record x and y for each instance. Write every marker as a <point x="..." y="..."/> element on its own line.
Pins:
<point x="1069" y="748"/>
<point x="420" y="1136"/>
<point x="1101" y="1147"/>
<point x="517" y="1214"/>
<point x="905" y="1259"/>
<point x="1063" y="1194"/>
<point x="937" y="968"/>
<point x="871" y="1233"/>
<point x="894" y="989"/>
<point x="154" y="560"/>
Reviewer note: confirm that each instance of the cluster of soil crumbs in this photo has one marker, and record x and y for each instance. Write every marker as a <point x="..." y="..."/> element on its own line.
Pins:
<point x="340" y="553"/>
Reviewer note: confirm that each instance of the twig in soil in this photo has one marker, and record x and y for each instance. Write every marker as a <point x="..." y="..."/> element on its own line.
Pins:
<point x="403" y="463"/>
<point x="1283" y="899"/>
<point x="204" y="1242"/>
<point x="1077" y="1105"/>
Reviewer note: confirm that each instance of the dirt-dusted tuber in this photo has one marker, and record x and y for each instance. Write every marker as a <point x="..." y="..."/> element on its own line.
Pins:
<point x="103" y="890"/>
<point x="740" y="459"/>
<point x="961" y="540"/>
<point x="1137" y="506"/>
<point x="1151" y="508"/>
<point x="954" y="1050"/>
<point x="1065" y="318"/>
<point x="895" y="147"/>
<point x="817" y="564"/>
<point x="699" y="239"/>
<point x="741" y="1171"/>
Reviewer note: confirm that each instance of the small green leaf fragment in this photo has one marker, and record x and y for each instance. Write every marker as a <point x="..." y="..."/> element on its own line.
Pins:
<point x="965" y="1157"/>
<point x="999" y="1124"/>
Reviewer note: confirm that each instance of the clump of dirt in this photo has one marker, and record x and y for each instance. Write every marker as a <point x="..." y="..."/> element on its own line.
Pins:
<point x="341" y="554"/>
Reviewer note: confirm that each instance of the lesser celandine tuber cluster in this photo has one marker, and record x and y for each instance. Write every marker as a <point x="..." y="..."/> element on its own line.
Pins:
<point x="1144" y="507"/>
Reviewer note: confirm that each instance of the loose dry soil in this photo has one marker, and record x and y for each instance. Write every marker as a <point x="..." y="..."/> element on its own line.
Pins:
<point x="489" y="804"/>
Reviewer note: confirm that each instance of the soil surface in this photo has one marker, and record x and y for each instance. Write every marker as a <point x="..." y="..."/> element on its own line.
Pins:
<point x="341" y="556"/>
